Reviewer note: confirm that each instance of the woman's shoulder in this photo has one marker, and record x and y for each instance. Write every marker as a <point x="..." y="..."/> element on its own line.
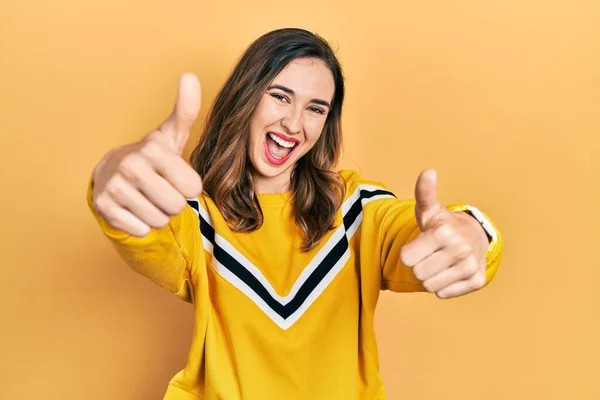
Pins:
<point x="373" y="197"/>
<point x="354" y="180"/>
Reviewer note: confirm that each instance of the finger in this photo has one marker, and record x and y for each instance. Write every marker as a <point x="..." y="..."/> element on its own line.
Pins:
<point x="441" y="260"/>
<point x="174" y="169"/>
<point x="418" y="250"/>
<point x="188" y="102"/>
<point x="127" y="196"/>
<point x="427" y="204"/>
<point x="185" y="112"/>
<point x="427" y="243"/>
<point x="153" y="186"/>
<point x="463" y="287"/>
<point x="124" y="220"/>
<point x="183" y="178"/>
<point x="464" y="269"/>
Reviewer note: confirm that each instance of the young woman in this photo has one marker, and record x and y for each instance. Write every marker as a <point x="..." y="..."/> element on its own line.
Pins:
<point x="282" y="256"/>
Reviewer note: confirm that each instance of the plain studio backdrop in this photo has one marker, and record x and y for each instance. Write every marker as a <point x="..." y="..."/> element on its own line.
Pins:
<point x="502" y="97"/>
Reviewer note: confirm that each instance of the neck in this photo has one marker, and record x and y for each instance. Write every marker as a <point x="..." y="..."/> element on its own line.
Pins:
<point x="275" y="185"/>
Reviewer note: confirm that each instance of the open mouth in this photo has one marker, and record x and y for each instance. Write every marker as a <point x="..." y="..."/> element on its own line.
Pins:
<point x="279" y="148"/>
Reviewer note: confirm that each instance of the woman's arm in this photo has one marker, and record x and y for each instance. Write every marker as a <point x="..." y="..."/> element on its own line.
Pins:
<point x="138" y="194"/>
<point x="421" y="245"/>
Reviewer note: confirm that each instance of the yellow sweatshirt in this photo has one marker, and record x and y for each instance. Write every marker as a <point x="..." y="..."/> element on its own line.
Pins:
<point x="272" y="322"/>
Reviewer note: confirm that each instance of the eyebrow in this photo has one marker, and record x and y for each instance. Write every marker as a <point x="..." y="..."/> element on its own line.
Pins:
<point x="291" y="92"/>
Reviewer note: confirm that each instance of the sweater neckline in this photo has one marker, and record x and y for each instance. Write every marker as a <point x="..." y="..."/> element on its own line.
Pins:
<point x="274" y="198"/>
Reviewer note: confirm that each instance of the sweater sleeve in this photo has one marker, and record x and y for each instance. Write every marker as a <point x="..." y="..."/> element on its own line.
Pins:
<point x="168" y="257"/>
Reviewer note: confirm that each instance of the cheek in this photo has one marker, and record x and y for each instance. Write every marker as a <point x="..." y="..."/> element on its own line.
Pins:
<point x="258" y="122"/>
<point x="267" y="113"/>
<point x="313" y="130"/>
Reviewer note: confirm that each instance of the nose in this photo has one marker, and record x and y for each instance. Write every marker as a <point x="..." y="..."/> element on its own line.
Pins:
<point x="292" y="121"/>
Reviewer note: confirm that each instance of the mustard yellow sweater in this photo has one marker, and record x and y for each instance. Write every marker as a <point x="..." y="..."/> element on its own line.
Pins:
<point x="272" y="322"/>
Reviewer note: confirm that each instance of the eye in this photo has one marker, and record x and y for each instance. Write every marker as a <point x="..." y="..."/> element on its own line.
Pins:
<point x="317" y="110"/>
<point x="280" y="97"/>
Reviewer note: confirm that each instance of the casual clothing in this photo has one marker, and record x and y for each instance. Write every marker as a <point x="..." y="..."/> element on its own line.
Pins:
<point x="271" y="321"/>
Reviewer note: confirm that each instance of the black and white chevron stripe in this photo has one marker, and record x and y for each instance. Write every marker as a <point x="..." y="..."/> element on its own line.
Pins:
<point x="316" y="276"/>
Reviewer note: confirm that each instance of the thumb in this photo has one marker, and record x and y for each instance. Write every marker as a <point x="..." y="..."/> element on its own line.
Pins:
<point x="187" y="107"/>
<point x="427" y="205"/>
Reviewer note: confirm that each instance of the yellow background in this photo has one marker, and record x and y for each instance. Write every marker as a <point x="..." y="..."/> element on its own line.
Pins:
<point x="502" y="97"/>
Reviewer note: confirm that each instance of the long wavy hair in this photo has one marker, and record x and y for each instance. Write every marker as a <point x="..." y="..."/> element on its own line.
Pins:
<point x="221" y="155"/>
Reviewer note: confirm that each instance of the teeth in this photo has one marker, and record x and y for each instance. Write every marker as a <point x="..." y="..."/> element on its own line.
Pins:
<point x="281" y="142"/>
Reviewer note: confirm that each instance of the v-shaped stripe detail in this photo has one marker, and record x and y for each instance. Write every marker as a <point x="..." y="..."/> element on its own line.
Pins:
<point x="316" y="276"/>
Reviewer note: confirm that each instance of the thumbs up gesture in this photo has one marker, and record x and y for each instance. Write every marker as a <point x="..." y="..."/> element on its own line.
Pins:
<point x="449" y="256"/>
<point x="139" y="186"/>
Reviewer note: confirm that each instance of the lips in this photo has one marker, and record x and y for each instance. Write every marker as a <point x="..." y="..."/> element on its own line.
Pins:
<point x="279" y="147"/>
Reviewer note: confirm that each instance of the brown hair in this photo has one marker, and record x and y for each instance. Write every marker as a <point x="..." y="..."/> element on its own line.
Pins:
<point x="221" y="156"/>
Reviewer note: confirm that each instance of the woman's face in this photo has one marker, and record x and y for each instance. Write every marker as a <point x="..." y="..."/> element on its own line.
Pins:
<point x="288" y="121"/>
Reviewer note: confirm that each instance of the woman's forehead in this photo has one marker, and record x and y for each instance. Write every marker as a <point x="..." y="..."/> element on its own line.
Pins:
<point x="307" y="77"/>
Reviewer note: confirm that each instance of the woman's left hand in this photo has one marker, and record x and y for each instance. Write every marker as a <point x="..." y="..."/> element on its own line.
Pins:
<point x="449" y="255"/>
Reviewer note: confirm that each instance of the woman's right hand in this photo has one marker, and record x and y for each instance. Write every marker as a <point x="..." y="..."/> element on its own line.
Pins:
<point x="141" y="185"/>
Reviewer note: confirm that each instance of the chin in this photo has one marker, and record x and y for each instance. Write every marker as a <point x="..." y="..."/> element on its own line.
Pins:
<point x="264" y="169"/>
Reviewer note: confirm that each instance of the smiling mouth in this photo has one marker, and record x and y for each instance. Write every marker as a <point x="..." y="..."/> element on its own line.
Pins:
<point x="278" y="149"/>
